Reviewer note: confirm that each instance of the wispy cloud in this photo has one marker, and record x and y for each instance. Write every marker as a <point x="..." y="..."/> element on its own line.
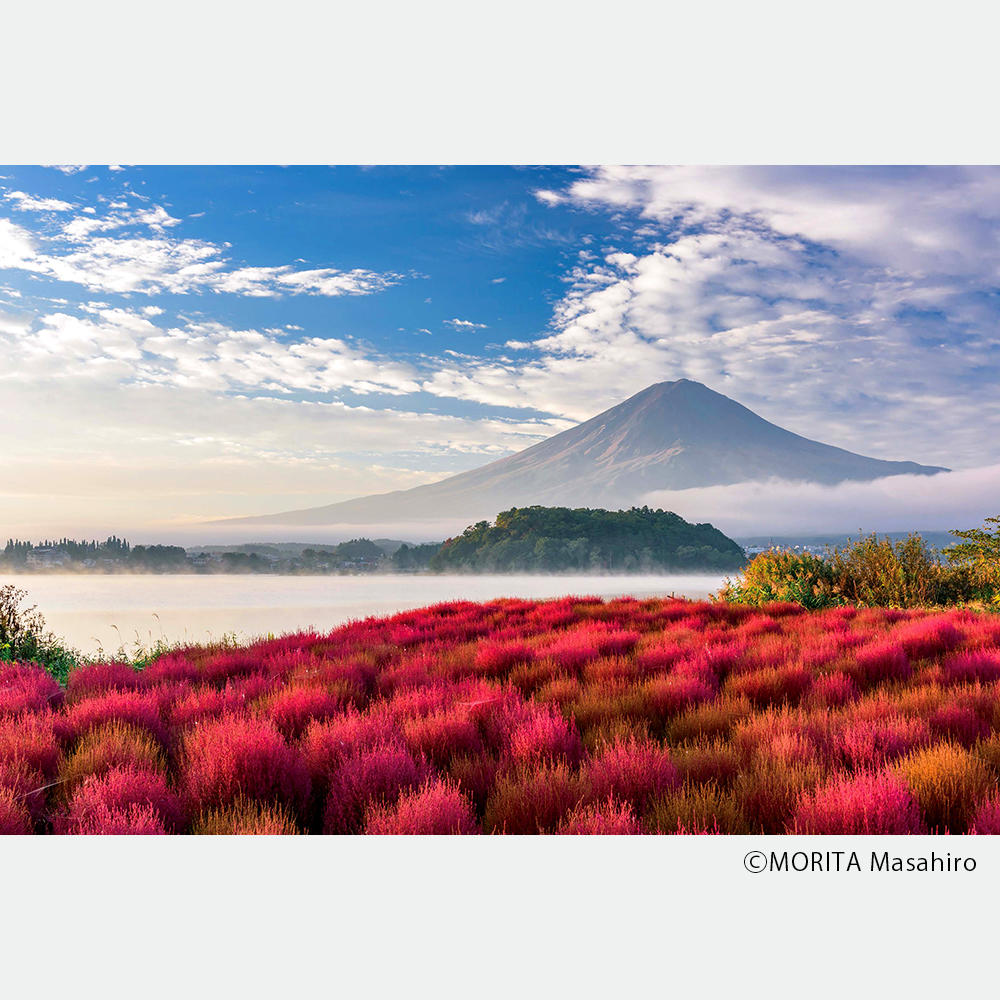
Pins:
<point x="855" y="306"/>
<point x="28" y="203"/>
<point x="465" y="324"/>
<point x="145" y="259"/>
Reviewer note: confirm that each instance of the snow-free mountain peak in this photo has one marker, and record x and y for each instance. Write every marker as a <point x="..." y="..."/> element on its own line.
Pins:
<point x="670" y="436"/>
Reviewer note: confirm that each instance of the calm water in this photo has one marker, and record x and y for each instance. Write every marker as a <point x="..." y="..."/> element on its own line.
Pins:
<point x="92" y="612"/>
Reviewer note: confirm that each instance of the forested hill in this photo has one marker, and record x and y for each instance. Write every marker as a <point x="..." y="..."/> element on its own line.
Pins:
<point x="547" y="539"/>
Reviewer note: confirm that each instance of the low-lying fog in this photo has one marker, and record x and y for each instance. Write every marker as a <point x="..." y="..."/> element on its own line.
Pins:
<point x="93" y="612"/>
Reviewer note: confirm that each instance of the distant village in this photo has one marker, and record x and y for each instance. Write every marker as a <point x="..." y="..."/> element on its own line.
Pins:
<point x="116" y="555"/>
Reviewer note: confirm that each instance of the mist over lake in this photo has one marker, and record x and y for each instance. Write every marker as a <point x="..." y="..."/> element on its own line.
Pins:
<point x="92" y="612"/>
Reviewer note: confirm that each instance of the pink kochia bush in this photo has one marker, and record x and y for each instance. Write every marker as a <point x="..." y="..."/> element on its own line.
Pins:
<point x="123" y="800"/>
<point x="238" y="755"/>
<point x="864" y="803"/>
<point x="631" y="771"/>
<point x="575" y="716"/>
<point x="141" y="708"/>
<point x="15" y="820"/>
<point x="437" y="807"/>
<point x="25" y="687"/>
<point x="372" y="778"/>
<point x="608" y="818"/>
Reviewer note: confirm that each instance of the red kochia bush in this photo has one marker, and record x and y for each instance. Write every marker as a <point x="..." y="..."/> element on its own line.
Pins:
<point x="98" y="677"/>
<point x="237" y="755"/>
<point x="293" y="707"/>
<point x="771" y="685"/>
<point x="833" y="689"/>
<point x="325" y="744"/>
<point x="495" y="658"/>
<point x="870" y="742"/>
<point x="987" y="818"/>
<point x="442" y="735"/>
<point x="139" y="708"/>
<point x="438" y="807"/>
<point x="928" y="637"/>
<point x="26" y="687"/>
<point x="14" y="817"/>
<point x="659" y="657"/>
<point x="959" y="722"/>
<point x="531" y="800"/>
<point x="632" y="771"/>
<point x="374" y="777"/>
<point x="865" y="803"/>
<point x="131" y="820"/>
<point x="615" y="642"/>
<point x="544" y="734"/>
<point x="881" y="661"/>
<point x="30" y="738"/>
<point x="193" y="703"/>
<point x="123" y="800"/>
<point x="608" y="818"/>
<point x="574" y="715"/>
<point x="25" y="783"/>
<point x="572" y="651"/>
<point x="672" y="693"/>
<point x="979" y="664"/>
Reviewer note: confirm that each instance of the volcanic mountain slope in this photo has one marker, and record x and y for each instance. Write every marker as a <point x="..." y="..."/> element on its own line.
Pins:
<point x="671" y="436"/>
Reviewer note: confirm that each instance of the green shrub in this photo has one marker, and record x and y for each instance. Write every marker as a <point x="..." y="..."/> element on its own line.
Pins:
<point x="25" y="638"/>
<point x="779" y="575"/>
<point x="876" y="572"/>
<point x="976" y="561"/>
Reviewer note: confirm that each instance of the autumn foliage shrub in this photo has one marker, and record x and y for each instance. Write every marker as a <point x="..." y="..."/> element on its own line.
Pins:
<point x="568" y="716"/>
<point x="435" y="808"/>
<point x="123" y="800"/>
<point x="532" y="799"/>
<point x="608" y="818"/>
<point x="375" y="777"/>
<point x="112" y="745"/>
<point x="224" y="759"/>
<point x="15" y="820"/>
<point x="949" y="782"/>
<point x="26" y="687"/>
<point x="863" y="803"/>
<point x="246" y="817"/>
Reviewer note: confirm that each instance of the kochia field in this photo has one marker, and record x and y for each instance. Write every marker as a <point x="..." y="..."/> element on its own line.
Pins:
<point x="570" y="716"/>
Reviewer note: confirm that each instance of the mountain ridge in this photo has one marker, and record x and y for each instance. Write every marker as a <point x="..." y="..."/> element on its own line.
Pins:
<point x="670" y="436"/>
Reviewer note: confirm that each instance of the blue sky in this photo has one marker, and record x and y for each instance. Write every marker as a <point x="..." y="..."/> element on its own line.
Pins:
<point x="182" y="343"/>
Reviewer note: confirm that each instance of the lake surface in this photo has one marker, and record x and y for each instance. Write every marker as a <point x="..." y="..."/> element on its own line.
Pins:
<point x="93" y="612"/>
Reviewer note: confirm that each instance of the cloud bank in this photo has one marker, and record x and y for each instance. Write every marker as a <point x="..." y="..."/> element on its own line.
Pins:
<point x="947" y="500"/>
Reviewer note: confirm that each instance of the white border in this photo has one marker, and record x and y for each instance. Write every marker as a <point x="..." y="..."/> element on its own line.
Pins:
<point x="520" y="82"/>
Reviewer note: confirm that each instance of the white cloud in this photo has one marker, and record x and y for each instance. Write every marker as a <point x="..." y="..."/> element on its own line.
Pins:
<point x="854" y="307"/>
<point x="137" y="262"/>
<point x="960" y="499"/>
<point x="923" y="219"/>
<point x="69" y="168"/>
<point x="465" y="324"/>
<point x="204" y="355"/>
<point x="27" y="203"/>
<point x="132" y="425"/>
<point x="549" y="197"/>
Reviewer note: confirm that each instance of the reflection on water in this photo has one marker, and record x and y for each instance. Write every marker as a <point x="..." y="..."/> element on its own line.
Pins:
<point x="92" y="612"/>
